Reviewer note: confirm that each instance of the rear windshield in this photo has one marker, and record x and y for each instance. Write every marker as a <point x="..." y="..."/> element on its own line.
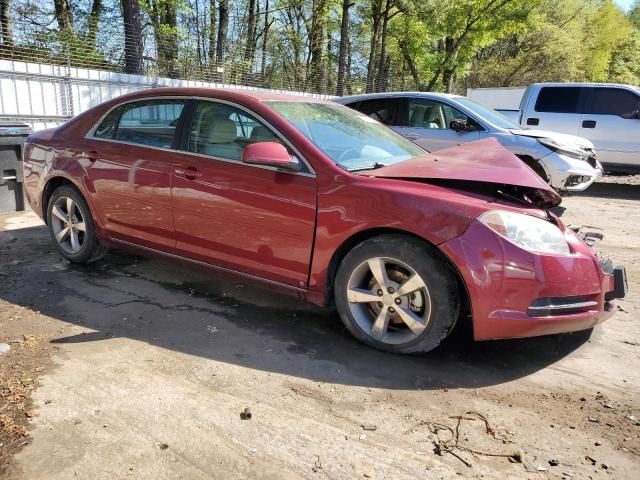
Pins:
<point x="352" y="140"/>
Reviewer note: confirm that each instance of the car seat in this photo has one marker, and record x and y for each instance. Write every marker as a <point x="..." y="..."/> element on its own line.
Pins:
<point x="220" y="141"/>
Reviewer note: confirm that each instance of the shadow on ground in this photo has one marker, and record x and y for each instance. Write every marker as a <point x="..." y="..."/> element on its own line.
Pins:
<point x="624" y="191"/>
<point x="187" y="311"/>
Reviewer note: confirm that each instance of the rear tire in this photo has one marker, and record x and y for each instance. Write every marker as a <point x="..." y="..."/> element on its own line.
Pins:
<point x="397" y="294"/>
<point x="71" y="226"/>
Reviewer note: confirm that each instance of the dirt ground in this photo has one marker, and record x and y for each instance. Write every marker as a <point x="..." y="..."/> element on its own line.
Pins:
<point x="136" y="368"/>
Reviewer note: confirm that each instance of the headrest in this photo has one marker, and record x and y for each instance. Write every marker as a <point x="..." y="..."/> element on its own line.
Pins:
<point x="222" y="130"/>
<point x="431" y="115"/>
<point x="417" y="116"/>
<point x="262" y="134"/>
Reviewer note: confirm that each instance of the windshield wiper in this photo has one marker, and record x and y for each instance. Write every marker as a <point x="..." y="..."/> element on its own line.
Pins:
<point x="375" y="166"/>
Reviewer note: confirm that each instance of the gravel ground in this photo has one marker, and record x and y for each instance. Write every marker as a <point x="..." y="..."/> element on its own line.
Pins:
<point x="136" y="368"/>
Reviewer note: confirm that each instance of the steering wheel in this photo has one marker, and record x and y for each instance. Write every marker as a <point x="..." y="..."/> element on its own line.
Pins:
<point x="344" y="154"/>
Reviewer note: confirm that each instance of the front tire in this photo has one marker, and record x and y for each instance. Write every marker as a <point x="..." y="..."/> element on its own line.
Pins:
<point x="397" y="294"/>
<point x="71" y="226"/>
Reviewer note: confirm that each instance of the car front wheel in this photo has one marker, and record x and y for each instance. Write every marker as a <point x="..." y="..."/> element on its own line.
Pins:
<point x="397" y="294"/>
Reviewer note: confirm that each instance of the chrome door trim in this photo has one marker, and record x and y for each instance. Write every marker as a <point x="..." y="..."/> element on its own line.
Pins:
<point x="311" y="173"/>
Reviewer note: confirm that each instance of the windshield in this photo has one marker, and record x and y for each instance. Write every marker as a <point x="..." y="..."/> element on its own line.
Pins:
<point x="349" y="138"/>
<point x="489" y="114"/>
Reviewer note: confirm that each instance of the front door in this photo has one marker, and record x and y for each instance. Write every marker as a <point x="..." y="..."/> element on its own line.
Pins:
<point x="429" y="125"/>
<point x="129" y="170"/>
<point x="252" y="219"/>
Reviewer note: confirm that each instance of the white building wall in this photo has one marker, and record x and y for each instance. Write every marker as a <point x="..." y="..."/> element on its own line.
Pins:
<point x="507" y="98"/>
<point x="44" y="96"/>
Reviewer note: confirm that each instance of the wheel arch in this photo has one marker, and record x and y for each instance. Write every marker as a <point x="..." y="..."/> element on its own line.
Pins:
<point x="52" y="185"/>
<point x="359" y="237"/>
<point x="535" y="165"/>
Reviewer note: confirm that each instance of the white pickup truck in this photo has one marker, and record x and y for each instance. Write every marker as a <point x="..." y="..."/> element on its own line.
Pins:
<point x="606" y="114"/>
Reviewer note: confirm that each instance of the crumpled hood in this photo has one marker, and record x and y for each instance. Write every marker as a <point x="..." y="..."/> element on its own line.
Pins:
<point x="483" y="162"/>
<point x="561" y="137"/>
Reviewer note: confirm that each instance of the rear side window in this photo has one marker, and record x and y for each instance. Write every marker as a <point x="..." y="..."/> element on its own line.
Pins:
<point x="558" y="100"/>
<point x="107" y="128"/>
<point x="614" y="101"/>
<point x="149" y="122"/>
<point x="383" y="110"/>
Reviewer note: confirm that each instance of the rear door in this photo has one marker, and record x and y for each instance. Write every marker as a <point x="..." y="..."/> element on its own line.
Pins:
<point x="130" y="170"/>
<point x="253" y="219"/>
<point x="557" y="109"/>
<point x="427" y="124"/>
<point x="610" y="120"/>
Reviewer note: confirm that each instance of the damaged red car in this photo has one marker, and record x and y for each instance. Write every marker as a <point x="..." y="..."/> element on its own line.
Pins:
<point x="322" y="202"/>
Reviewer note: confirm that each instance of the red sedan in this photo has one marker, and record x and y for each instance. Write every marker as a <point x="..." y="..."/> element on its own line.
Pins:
<point x="325" y="203"/>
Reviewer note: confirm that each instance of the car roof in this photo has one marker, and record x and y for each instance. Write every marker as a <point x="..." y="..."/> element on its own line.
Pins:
<point x="582" y="84"/>
<point x="372" y="96"/>
<point x="225" y="93"/>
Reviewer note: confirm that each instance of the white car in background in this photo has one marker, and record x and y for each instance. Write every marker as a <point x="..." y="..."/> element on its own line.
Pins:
<point x="436" y="121"/>
<point x="605" y="113"/>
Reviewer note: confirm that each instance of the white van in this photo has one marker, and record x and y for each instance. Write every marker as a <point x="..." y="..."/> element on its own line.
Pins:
<point x="606" y="114"/>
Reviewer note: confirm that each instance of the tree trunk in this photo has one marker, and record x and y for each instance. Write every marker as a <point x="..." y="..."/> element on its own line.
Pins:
<point x="344" y="41"/>
<point x="164" y="19"/>
<point x="252" y="21"/>
<point x="347" y="80"/>
<point x="265" y="35"/>
<point x="382" y="62"/>
<point x="372" y="67"/>
<point x="316" y="43"/>
<point x="64" y="15"/>
<point x="223" y="23"/>
<point x="6" y="35"/>
<point x="411" y="64"/>
<point x="92" y="24"/>
<point x="448" y="78"/>
<point x="132" y="38"/>
<point x="212" y="31"/>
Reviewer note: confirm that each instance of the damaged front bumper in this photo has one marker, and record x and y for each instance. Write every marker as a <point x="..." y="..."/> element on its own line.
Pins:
<point x="571" y="174"/>
<point x="518" y="293"/>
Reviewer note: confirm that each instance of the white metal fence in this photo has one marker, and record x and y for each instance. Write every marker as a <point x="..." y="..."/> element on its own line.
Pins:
<point x="44" y="96"/>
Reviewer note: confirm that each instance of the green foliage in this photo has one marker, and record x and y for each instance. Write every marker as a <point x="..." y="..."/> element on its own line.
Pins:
<point x="570" y="40"/>
<point x="429" y="44"/>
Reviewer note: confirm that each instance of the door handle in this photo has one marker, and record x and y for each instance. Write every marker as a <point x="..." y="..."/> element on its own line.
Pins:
<point x="589" y="124"/>
<point x="533" y="121"/>
<point x="92" y="156"/>
<point x="190" y="173"/>
<point x="412" y="136"/>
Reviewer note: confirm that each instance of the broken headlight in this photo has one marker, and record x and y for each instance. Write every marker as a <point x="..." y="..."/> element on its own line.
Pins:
<point x="527" y="232"/>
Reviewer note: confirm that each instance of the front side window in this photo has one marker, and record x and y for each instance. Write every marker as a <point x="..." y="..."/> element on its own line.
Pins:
<point x="558" y="100"/>
<point x="223" y="131"/>
<point x="148" y="122"/>
<point x="614" y="101"/>
<point x="383" y="110"/>
<point x="426" y="114"/>
<point x="434" y="115"/>
<point x="349" y="138"/>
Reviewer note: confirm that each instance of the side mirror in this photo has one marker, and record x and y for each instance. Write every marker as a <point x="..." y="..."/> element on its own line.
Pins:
<point x="272" y="154"/>
<point x="458" y="125"/>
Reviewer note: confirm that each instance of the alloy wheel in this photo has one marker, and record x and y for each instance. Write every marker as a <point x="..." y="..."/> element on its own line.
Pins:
<point x="389" y="300"/>
<point x="68" y="225"/>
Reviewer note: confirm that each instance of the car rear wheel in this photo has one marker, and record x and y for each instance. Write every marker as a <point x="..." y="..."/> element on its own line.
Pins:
<point x="71" y="226"/>
<point x="397" y="294"/>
